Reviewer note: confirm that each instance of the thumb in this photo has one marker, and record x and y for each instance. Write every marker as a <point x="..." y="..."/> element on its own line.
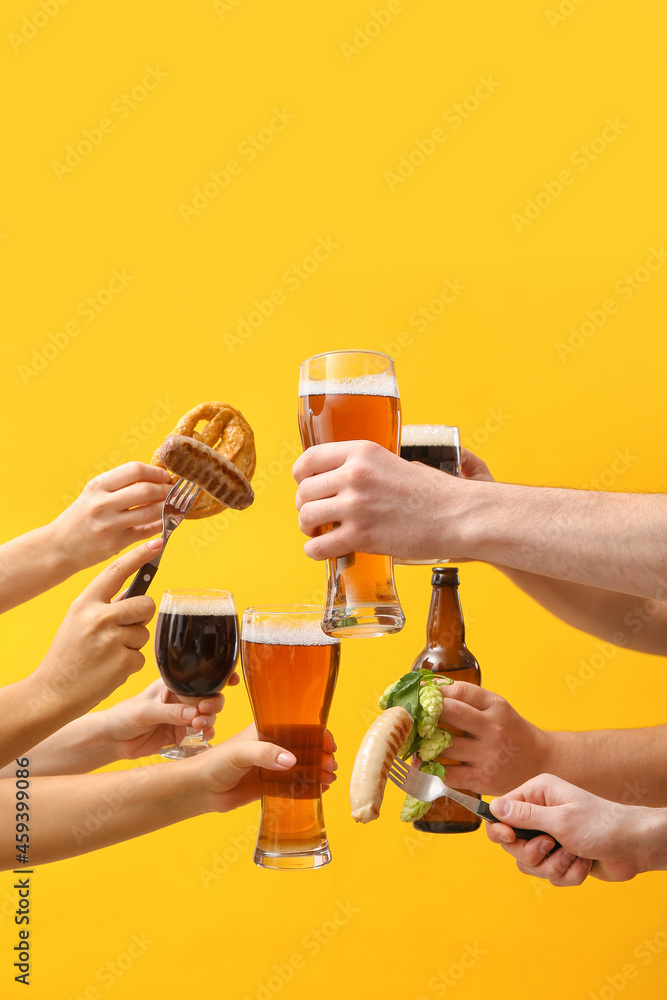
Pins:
<point x="160" y="713"/>
<point x="230" y="762"/>
<point x="523" y="815"/>
<point x="111" y="579"/>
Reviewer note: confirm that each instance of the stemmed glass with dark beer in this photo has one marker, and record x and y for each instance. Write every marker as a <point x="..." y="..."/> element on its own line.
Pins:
<point x="437" y="445"/>
<point x="196" y="648"/>
<point x="290" y="668"/>
<point x="350" y="396"/>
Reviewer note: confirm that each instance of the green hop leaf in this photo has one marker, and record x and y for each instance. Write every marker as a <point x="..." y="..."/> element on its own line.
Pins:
<point x="413" y="809"/>
<point x="432" y="746"/>
<point x="434" y="767"/>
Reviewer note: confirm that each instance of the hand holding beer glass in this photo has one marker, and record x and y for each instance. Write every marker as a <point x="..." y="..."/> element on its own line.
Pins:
<point x="351" y="396"/>
<point x="439" y="446"/>
<point x="196" y="648"/>
<point x="290" y="668"/>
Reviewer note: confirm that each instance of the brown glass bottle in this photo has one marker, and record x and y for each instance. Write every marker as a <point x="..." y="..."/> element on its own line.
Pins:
<point x="446" y="653"/>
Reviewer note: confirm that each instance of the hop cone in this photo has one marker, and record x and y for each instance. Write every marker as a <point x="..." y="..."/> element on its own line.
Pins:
<point x="385" y="697"/>
<point x="432" y="746"/>
<point x="413" y="809"/>
<point x="431" y="702"/>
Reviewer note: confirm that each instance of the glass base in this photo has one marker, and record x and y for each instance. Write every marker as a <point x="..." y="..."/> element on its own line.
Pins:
<point x="363" y="621"/>
<point x="304" y="861"/>
<point x="182" y="753"/>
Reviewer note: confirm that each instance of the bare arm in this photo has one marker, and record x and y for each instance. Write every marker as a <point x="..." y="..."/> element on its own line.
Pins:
<point x="114" y="510"/>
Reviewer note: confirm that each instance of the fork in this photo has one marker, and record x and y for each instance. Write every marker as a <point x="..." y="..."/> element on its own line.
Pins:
<point x="178" y="502"/>
<point x="429" y="787"/>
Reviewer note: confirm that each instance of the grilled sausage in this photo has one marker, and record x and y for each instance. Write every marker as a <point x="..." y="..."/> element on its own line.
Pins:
<point x="217" y="476"/>
<point x="371" y="767"/>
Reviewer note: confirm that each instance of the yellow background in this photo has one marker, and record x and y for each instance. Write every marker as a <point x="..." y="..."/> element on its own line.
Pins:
<point x="415" y="904"/>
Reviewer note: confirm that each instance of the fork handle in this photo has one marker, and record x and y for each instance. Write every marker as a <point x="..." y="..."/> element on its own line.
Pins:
<point x="142" y="581"/>
<point x="484" y="811"/>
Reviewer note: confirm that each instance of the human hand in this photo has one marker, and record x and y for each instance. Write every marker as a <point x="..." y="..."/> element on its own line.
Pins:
<point x="116" y="509"/>
<point x="98" y="644"/>
<point x="473" y="467"/>
<point x="499" y="748"/>
<point x="607" y="840"/>
<point x="377" y="502"/>
<point x="231" y="778"/>
<point x="142" y="725"/>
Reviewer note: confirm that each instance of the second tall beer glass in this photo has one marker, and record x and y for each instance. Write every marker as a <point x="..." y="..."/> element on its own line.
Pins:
<point x="349" y="396"/>
<point x="290" y="668"/>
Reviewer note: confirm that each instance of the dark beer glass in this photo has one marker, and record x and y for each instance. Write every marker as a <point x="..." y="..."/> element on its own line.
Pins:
<point x="350" y="396"/>
<point x="196" y="648"/>
<point x="290" y="668"/>
<point x="439" y="446"/>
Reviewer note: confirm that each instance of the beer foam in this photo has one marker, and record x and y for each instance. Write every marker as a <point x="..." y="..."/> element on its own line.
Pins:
<point x="289" y="632"/>
<point x="188" y="604"/>
<point x="383" y="384"/>
<point x="413" y="435"/>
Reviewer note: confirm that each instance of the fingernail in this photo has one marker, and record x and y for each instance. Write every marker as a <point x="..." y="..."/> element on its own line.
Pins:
<point x="567" y="857"/>
<point x="286" y="759"/>
<point x="545" y="846"/>
<point x="189" y="714"/>
<point x="500" y="807"/>
<point x="155" y="543"/>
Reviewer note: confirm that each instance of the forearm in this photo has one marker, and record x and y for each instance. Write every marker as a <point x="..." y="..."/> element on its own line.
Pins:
<point x="79" y="747"/>
<point x="624" y="765"/>
<point x="76" y="814"/>
<point x="616" y="541"/>
<point x="32" y="711"/>
<point x="32" y="564"/>
<point x="622" y="619"/>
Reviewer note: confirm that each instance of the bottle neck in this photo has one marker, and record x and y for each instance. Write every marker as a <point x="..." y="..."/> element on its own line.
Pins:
<point x="445" y="627"/>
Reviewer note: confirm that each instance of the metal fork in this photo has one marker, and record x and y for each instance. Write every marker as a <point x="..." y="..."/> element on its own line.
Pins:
<point x="429" y="787"/>
<point x="178" y="502"/>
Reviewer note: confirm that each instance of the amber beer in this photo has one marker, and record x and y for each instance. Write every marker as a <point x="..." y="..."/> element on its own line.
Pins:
<point x="290" y="668"/>
<point x="446" y="653"/>
<point x="349" y="396"/>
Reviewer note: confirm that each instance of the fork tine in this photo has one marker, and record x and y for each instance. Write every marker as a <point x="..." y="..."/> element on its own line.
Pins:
<point x="399" y="784"/>
<point x="397" y="777"/>
<point x="176" y="491"/>
<point x="401" y="766"/>
<point x="191" y="497"/>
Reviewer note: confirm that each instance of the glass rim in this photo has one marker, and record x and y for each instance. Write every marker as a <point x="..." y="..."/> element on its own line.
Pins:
<point x="198" y="593"/>
<point x="354" y="350"/>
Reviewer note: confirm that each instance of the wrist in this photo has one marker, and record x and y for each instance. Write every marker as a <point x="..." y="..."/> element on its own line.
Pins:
<point x="652" y="840"/>
<point x="466" y="516"/>
<point x="61" y="547"/>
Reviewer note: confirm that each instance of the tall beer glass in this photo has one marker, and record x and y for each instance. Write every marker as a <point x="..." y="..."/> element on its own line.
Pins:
<point x="439" y="446"/>
<point x="290" y="668"/>
<point x="348" y="396"/>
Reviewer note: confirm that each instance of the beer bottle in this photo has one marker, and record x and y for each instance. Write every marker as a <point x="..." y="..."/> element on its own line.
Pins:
<point x="446" y="653"/>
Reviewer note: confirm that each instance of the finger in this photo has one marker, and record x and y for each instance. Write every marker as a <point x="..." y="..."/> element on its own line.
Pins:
<point x="466" y="777"/>
<point x="135" y="636"/>
<point x="317" y="513"/>
<point x="329" y="764"/>
<point x="234" y="680"/>
<point x="465" y="717"/>
<point x="137" y="534"/>
<point x="317" y="488"/>
<point x="327" y="545"/>
<point x="576" y="874"/>
<point x="468" y="694"/>
<point x="321" y="458"/>
<point x="139" y="495"/>
<point x="464" y="749"/>
<point x="133" y="611"/>
<point x="210" y="706"/>
<point x="552" y="867"/>
<point x="138" y="517"/>
<point x="329" y="743"/>
<point x="245" y="754"/>
<point x="111" y="579"/>
<point x="131" y="472"/>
